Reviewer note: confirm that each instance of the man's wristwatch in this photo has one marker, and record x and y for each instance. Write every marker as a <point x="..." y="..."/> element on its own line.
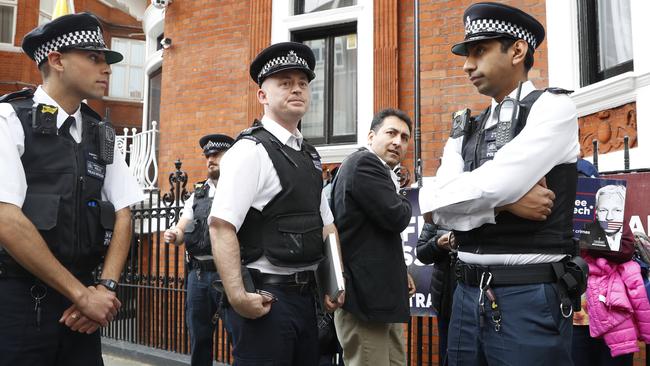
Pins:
<point x="108" y="283"/>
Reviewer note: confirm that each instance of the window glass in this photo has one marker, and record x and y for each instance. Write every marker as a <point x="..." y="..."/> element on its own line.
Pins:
<point x="332" y="115"/>
<point x="127" y="78"/>
<point x="345" y="86"/>
<point x="136" y="82"/>
<point x="614" y="33"/>
<point x="118" y="81"/>
<point x="605" y="39"/>
<point x="7" y="25"/>
<point x="155" y="82"/>
<point x="313" y="123"/>
<point x="137" y="53"/>
<point x="46" y="8"/>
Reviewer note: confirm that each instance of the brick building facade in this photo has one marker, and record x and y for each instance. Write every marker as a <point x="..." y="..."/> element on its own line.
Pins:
<point x="206" y="88"/>
<point x="203" y="83"/>
<point x="198" y="82"/>
<point x="18" y="70"/>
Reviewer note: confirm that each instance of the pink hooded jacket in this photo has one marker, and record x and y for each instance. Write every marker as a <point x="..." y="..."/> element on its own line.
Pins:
<point x="618" y="305"/>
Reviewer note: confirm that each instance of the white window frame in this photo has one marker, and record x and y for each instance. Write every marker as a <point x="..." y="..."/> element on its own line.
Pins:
<point x="284" y="22"/>
<point x="43" y="13"/>
<point x="128" y="68"/>
<point x="564" y="72"/>
<point x="153" y="24"/>
<point x="10" y="46"/>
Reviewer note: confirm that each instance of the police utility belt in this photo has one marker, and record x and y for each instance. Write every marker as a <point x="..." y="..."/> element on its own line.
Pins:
<point x="303" y="282"/>
<point x="570" y="275"/>
<point x="298" y="279"/>
<point x="204" y="263"/>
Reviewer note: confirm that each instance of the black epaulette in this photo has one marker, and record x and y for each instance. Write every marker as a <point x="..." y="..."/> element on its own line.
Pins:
<point x="554" y="90"/>
<point x="248" y="133"/>
<point x="25" y="93"/>
<point x="310" y="148"/>
<point x="89" y="112"/>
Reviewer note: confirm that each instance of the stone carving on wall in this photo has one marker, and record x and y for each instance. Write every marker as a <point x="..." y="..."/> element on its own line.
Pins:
<point x="609" y="127"/>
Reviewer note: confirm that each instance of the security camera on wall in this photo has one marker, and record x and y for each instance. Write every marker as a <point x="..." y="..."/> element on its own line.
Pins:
<point x="161" y="4"/>
<point x="166" y="43"/>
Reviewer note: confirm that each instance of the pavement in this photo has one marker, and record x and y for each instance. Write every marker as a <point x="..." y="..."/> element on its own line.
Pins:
<point x="120" y="353"/>
<point x="112" y="360"/>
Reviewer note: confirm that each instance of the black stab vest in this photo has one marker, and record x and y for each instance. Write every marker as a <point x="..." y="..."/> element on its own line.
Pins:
<point x="289" y="230"/>
<point x="63" y="200"/>
<point x="197" y="233"/>
<point x="512" y="234"/>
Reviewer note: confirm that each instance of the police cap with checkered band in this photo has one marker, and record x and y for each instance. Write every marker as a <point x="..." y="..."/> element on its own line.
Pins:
<point x="491" y="20"/>
<point x="280" y="57"/>
<point x="214" y="143"/>
<point x="73" y="31"/>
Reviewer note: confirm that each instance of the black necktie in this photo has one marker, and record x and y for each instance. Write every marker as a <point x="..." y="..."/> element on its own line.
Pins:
<point x="65" y="128"/>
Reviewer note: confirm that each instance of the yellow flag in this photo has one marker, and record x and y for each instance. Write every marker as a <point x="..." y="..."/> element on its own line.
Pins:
<point x="63" y="7"/>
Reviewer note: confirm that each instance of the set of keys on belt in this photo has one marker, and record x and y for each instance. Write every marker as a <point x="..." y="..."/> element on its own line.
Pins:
<point x="487" y="292"/>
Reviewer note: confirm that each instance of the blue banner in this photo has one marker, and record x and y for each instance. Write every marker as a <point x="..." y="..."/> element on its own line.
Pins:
<point x="421" y="273"/>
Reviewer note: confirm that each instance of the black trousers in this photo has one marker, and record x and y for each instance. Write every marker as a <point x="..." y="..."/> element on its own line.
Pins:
<point x="287" y="335"/>
<point x="24" y="342"/>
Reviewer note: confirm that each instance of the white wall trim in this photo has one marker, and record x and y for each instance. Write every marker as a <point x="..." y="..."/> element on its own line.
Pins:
<point x="562" y="44"/>
<point x="609" y="93"/>
<point x="153" y="62"/>
<point x="153" y="24"/>
<point x="122" y="100"/>
<point x="6" y="47"/>
<point x="336" y="153"/>
<point x="322" y="18"/>
<point x="283" y="23"/>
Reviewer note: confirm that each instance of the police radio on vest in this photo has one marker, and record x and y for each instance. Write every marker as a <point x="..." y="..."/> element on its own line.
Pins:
<point x="160" y="4"/>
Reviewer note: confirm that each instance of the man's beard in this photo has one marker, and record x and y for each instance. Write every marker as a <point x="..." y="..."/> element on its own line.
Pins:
<point x="214" y="174"/>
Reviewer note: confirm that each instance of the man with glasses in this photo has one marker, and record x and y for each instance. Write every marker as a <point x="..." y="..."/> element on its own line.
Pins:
<point x="506" y="187"/>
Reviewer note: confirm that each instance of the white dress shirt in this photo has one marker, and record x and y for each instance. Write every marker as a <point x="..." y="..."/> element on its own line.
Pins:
<point x="188" y="211"/>
<point x="393" y="175"/>
<point x="466" y="200"/>
<point x="249" y="179"/>
<point x="120" y="186"/>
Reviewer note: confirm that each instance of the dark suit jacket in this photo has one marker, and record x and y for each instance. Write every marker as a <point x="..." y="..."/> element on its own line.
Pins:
<point x="443" y="274"/>
<point x="370" y="216"/>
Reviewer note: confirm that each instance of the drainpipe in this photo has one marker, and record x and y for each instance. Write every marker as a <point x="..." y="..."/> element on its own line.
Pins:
<point x="417" y="139"/>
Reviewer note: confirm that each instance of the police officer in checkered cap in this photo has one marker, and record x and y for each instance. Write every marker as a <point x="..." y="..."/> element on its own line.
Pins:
<point x="203" y="305"/>
<point x="271" y="216"/>
<point x="69" y="32"/>
<point x="509" y="174"/>
<point x="485" y="21"/>
<point x="65" y="205"/>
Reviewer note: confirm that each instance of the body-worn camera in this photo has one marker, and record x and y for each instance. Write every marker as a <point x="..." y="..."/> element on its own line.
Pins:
<point x="460" y="123"/>
<point x="44" y="119"/>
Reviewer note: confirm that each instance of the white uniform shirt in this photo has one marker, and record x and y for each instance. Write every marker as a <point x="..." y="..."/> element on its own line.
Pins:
<point x="120" y="187"/>
<point x="249" y="179"/>
<point x="188" y="211"/>
<point x="466" y="200"/>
